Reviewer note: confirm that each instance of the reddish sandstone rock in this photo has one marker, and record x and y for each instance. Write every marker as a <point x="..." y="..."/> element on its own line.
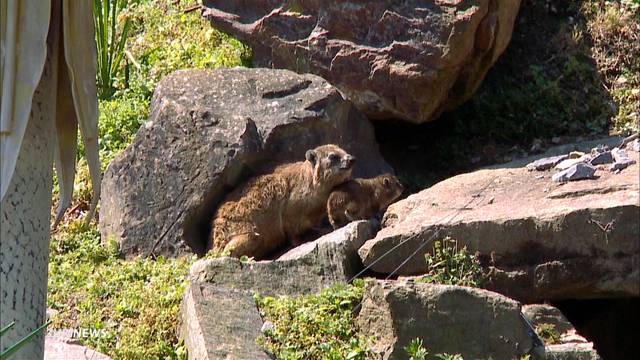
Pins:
<point x="408" y="59"/>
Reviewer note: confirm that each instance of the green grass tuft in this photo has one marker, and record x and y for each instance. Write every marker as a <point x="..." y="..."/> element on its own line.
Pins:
<point x="319" y="326"/>
<point x="452" y="265"/>
<point x="548" y="333"/>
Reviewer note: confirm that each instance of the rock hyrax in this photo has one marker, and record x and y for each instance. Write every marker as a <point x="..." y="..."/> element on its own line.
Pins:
<point x="261" y="215"/>
<point x="361" y="199"/>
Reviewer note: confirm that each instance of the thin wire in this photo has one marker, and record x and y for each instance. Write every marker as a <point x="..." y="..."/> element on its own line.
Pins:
<point x="424" y="244"/>
<point x="474" y="197"/>
<point x="456" y="213"/>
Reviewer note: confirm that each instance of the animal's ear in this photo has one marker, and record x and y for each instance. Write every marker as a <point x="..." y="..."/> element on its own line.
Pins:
<point x="386" y="182"/>
<point x="311" y="156"/>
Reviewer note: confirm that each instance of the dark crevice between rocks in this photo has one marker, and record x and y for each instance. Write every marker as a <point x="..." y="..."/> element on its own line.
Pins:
<point x="613" y="325"/>
<point x="296" y="88"/>
<point x="197" y="224"/>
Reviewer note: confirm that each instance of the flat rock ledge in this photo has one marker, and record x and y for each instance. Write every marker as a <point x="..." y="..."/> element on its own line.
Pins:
<point x="306" y="269"/>
<point x="542" y="240"/>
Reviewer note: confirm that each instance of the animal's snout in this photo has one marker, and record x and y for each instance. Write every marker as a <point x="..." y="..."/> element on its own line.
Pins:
<point x="347" y="161"/>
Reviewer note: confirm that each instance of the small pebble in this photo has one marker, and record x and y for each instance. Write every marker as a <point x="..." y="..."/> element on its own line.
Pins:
<point x="571" y="162"/>
<point x="267" y="326"/>
<point x="602" y="158"/>
<point x="578" y="171"/>
<point x="546" y="163"/>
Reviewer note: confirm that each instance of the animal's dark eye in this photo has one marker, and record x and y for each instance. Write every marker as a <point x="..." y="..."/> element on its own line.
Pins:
<point x="334" y="157"/>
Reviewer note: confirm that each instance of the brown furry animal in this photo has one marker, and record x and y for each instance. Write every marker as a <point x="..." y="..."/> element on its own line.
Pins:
<point x="258" y="217"/>
<point x="361" y="199"/>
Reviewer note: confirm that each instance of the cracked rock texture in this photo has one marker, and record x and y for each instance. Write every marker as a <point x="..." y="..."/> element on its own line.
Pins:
<point x="408" y="59"/>
<point x="542" y="240"/>
<point x="208" y="131"/>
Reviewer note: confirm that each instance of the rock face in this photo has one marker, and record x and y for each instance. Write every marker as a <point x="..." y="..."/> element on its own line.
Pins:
<point x="475" y="323"/>
<point x="306" y="269"/>
<point x="544" y="241"/>
<point x="210" y="130"/>
<point x="407" y="59"/>
<point x="220" y="323"/>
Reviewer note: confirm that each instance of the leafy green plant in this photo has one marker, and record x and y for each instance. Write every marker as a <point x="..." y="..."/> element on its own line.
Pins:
<point x="165" y="39"/>
<point x="416" y="350"/>
<point x="110" y="41"/>
<point x="548" y="333"/>
<point x="4" y="355"/>
<point x="319" y="326"/>
<point x="453" y="265"/>
<point x="613" y="28"/>
<point x="120" y="119"/>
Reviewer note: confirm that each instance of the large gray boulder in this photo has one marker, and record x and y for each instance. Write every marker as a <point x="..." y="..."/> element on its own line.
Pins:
<point x="408" y="59"/>
<point x="208" y="131"/>
<point x="475" y="323"/>
<point x="220" y="323"/>
<point x="306" y="269"/>
<point x="542" y="240"/>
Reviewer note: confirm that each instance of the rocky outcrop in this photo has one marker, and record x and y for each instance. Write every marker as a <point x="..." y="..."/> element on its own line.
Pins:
<point x="219" y="318"/>
<point x="220" y="323"/>
<point x="543" y="240"/>
<point x="407" y="59"/>
<point x="209" y="130"/>
<point x="306" y="269"/>
<point x="477" y="324"/>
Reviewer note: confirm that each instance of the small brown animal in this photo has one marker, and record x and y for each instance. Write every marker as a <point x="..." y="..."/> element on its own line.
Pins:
<point x="258" y="217"/>
<point x="361" y="199"/>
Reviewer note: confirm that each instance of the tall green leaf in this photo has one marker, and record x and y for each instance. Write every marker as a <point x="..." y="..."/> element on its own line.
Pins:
<point x="15" y="347"/>
<point x="111" y="40"/>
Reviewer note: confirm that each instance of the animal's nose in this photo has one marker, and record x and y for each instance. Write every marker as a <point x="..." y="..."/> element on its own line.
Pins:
<point x="349" y="160"/>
